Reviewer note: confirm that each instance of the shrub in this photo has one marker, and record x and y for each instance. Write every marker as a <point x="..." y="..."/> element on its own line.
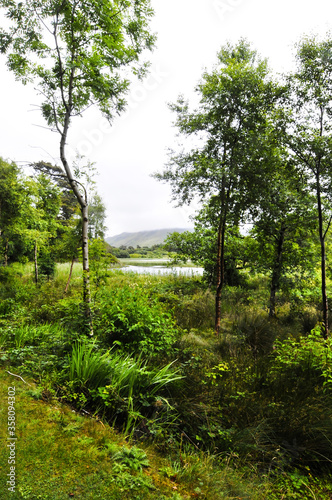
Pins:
<point x="309" y="357"/>
<point x="130" y="317"/>
<point x="46" y="264"/>
<point x="196" y="311"/>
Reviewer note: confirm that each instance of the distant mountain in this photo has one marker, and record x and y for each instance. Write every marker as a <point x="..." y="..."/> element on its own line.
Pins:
<point x="143" y="238"/>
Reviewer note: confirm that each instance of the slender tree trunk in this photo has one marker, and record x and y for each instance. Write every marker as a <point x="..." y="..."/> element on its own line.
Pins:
<point x="323" y="259"/>
<point x="220" y="272"/>
<point x="36" y="264"/>
<point x="6" y="252"/>
<point x="276" y="274"/>
<point x="322" y="235"/>
<point x="69" y="277"/>
<point x="83" y="202"/>
<point x="324" y="294"/>
<point x="86" y="272"/>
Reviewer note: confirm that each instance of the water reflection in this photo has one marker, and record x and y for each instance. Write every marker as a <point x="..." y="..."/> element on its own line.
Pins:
<point x="187" y="271"/>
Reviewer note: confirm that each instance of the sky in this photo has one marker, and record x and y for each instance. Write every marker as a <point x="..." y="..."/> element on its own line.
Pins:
<point x="189" y="35"/>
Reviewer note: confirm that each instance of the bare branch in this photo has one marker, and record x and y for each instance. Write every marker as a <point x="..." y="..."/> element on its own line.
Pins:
<point x="18" y="376"/>
<point x="328" y="227"/>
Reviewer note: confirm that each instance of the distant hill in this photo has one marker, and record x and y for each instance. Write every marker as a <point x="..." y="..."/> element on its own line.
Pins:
<point x="143" y="238"/>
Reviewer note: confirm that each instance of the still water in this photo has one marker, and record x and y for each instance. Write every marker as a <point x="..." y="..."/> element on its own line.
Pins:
<point x="149" y="266"/>
<point x="187" y="271"/>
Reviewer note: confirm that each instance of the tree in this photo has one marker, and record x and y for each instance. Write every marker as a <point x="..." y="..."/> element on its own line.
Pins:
<point x="12" y="198"/>
<point x="282" y="210"/>
<point x="97" y="217"/>
<point x="67" y="244"/>
<point x="40" y="214"/>
<point x="309" y="134"/>
<point x="283" y="228"/>
<point x="235" y="100"/>
<point x="75" y="51"/>
<point x="58" y="176"/>
<point x="200" y="247"/>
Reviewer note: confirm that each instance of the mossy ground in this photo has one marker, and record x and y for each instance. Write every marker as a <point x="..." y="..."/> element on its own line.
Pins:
<point x="61" y="454"/>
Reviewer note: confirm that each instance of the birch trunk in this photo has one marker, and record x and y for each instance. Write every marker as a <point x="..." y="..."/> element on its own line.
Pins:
<point x="83" y="202"/>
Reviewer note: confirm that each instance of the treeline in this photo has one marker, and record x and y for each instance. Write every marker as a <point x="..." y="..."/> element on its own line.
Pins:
<point x="40" y="219"/>
<point x="257" y="150"/>
<point x="126" y="252"/>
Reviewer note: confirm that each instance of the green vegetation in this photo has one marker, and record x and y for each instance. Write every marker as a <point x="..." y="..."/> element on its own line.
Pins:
<point x="129" y="252"/>
<point x="75" y="53"/>
<point x="156" y="406"/>
<point x="168" y="386"/>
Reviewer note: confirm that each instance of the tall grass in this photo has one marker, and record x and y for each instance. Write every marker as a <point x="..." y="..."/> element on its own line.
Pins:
<point x="87" y="367"/>
<point x="117" y="380"/>
<point x="62" y="271"/>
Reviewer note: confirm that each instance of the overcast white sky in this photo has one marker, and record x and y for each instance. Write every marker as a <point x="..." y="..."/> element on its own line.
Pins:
<point x="190" y="32"/>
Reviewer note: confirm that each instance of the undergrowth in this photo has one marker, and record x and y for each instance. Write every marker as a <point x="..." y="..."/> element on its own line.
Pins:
<point x="244" y="415"/>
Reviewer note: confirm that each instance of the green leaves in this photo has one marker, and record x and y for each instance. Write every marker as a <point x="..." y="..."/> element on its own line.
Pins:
<point x="311" y="355"/>
<point x="130" y="316"/>
<point x="87" y="44"/>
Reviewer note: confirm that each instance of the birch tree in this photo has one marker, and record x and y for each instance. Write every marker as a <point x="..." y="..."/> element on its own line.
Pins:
<point x="76" y="51"/>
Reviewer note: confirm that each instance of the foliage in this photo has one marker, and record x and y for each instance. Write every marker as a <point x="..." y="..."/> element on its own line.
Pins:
<point x="87" y="367"/>
<point x="46" y="263"/>
<point x="133" y="458"/>
<point x="121" y="386"/>
<point x="310" y="355"/>
<point x="87" y="62"/>
<point x="200" y="247"/>
<point x="11" y="201"/>
<point x="101" y="259"/>
<point x="128" y="316"/>
<point x="309" y="134"/>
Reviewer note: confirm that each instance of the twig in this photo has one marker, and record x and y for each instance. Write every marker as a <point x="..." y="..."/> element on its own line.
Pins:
<point x="18" y="377"/>
<point x="313" y="494"/>
<point x="192" y="442"/>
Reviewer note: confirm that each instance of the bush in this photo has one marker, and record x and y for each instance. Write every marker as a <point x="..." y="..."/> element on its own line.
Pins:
<point x="46" y="264"/>
<point x="130" y="317"/>
<point x="309" y="357"/>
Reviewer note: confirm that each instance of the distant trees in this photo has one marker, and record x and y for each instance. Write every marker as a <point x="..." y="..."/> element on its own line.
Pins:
<point x="29" y="213"/>
<point x="43" y="221"/>
<point x="39" y="220"/>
